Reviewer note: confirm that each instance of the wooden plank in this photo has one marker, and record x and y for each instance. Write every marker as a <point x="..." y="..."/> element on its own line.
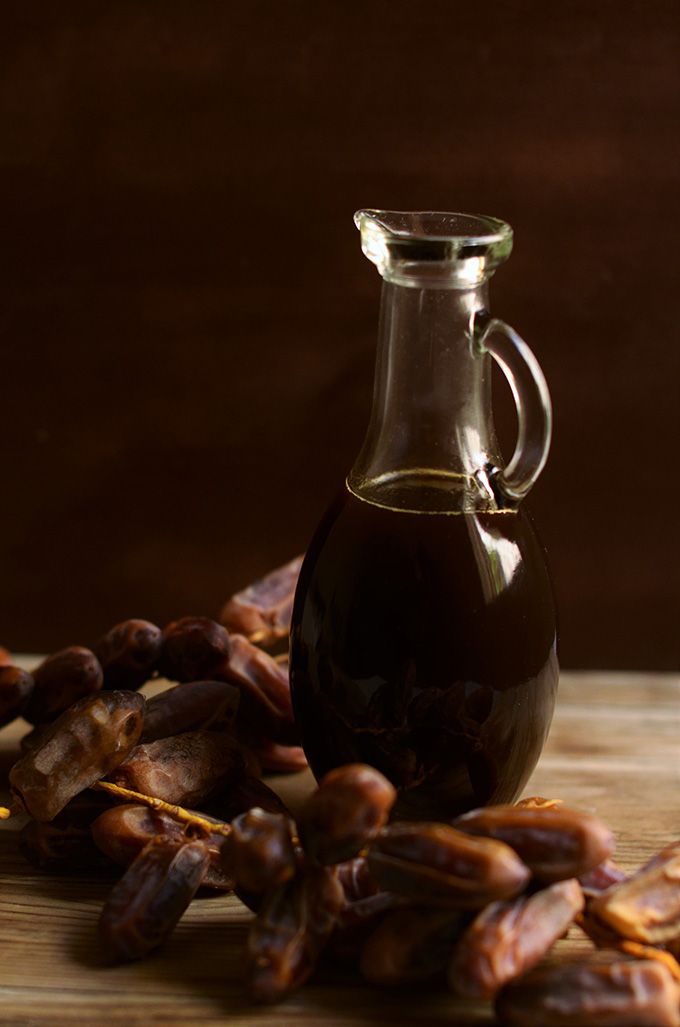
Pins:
<point x="614" y="749"/>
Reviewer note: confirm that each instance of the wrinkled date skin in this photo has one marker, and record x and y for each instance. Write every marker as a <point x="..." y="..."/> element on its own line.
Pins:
<point x="259" y="853"/>
<point x="189" y="707"/>
<point x="149" y="899"/>
<point x="129" y="653"/>
<point x="262" y="611"/>
<point x="193" y="649"/>
<point x="436" y="864"/>
<point x="410" y="945"/>
<point x="124" y="831"/>
<point x="555" y="843"/>
<point x="16" y="686"/>
<point x="85" y="744"/>
<point x="646" y="906"/>
<point x="347" y="810"/>
<point x="61" y="680"/>
<point x="509" y="938"/>
<point x="619" y="994"/>
<point x="290" y="931"/>
<point x="265" y="690"/>
<point x="184" y="769"/>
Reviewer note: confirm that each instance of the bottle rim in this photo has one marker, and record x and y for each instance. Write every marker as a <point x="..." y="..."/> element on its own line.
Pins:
<point x="450" y="249"/>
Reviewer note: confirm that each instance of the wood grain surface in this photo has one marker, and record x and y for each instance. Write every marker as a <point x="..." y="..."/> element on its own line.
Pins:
<point x="614" y="750"/>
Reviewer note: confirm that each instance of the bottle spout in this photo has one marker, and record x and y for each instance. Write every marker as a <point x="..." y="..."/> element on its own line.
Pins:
<point x="430" y="249"/>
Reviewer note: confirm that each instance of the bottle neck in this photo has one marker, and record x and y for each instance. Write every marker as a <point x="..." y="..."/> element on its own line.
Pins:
<point x="430" y="441"/>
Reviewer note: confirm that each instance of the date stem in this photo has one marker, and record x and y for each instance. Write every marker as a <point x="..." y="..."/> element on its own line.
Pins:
<point x="165" y="807"/>
<point x="640" y="951"/>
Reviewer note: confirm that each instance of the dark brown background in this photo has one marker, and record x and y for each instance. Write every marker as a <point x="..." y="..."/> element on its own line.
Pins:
<point x="187" y="323"/>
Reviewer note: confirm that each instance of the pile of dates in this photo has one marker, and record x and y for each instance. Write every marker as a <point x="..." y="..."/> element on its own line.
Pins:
<point x="171" y="789"/>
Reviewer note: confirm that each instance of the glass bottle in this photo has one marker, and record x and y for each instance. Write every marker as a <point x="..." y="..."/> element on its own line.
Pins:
<point x="423" y="635"/>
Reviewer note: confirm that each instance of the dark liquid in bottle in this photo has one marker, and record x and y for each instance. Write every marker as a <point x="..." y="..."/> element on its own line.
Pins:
<point x="424" y="644"/>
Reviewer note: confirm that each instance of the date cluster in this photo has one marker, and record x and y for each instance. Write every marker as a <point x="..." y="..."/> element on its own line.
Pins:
<point x="170" y="790"/>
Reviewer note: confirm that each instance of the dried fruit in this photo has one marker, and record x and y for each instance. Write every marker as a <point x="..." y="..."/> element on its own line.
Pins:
<point x="508" y="938"/>
<point x="87" y="742"/>
<point x="143" y="908"/>
<point x="61" y="680"/>
<point x="16" y="686"/>
<point x="193" y="649"/>
<point x="618" y="994"/>
<point x="266" y="705"/>
<point x="262" y="611"/>
<point x="555" y="844"/>
<point x="129" y="653"/>
<point x="122" y="832"/>
<point x="184" y="769"/>
<point x="347" y="810"/>
<point x="434" y="863"/>
<point x="259" y="853"/>
<point x="290" y="931"/>
<point x="188" y="707"/>
<point x="646" y="906"/>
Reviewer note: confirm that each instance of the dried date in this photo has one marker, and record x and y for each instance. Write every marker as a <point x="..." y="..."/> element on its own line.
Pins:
<point x="193" y="649"/>
<point x="259" y="853"/>
<point x="129" y="653"/>
<point x="124" y="831"/>
<point x="508" y="938"/>
<point x="188" y="707"/>
<point x="436" y="864"/>
<point x="60" y="680"/>
<point x="646" y="906"/>
<point x="346" y="812"/>
<point x="16" y="686"/>
<point x="85" y="744"/>
<point x="555" y="843"/>
<point x="149" y="899"/>
<point x="290" y="931"/>
<point x="262" y="611"/>
<point x="184" y="769"/>
<point x="265" y="690"/>
<point x="638" y="993"/>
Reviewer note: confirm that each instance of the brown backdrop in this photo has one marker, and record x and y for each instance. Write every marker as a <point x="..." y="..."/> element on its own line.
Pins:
<point x="188" y="323"/>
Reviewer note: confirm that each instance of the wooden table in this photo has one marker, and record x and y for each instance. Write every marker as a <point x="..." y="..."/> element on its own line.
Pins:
<point x="614" y="750"/>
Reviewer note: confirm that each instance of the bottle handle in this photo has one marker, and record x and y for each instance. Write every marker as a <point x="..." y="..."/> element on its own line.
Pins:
<point x="534" y="409"/>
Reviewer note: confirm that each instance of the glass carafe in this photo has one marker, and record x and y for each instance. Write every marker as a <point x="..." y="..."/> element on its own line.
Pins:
<point x="423" y="636"/>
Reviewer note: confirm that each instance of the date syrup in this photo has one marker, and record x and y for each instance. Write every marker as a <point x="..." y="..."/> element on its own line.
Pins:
<point x="424" y="645"/>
